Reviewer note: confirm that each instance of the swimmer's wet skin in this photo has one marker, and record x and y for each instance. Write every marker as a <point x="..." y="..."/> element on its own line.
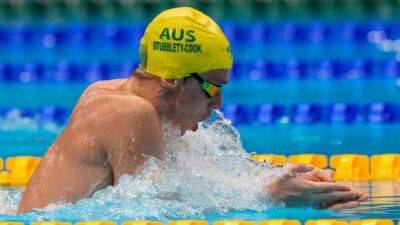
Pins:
<point x="116" y="124"/>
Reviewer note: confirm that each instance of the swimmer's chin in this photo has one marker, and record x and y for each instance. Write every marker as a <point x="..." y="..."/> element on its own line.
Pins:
<point x="195" y="127"/>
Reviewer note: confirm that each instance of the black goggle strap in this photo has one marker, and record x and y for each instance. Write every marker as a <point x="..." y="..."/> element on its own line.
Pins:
<point x="209" y="88"/>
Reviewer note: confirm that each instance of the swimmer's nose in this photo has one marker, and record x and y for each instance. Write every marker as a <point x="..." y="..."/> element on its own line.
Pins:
<point x="216" y="103"/>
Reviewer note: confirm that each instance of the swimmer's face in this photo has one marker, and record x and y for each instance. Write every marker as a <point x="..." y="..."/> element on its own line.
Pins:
<point x="194" y="104"/>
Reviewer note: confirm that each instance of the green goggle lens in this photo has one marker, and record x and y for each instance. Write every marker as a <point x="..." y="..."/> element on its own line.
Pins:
<point x="210" y="89"/>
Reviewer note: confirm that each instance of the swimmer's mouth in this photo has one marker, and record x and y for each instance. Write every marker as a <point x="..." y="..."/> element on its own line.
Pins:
<point x="207" y="116"/>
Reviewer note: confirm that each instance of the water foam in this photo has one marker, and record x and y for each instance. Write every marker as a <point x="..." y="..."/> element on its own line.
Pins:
<point x="9" y="201"/>
<point x="203" y="172"/>
<point x="14" y="120"/>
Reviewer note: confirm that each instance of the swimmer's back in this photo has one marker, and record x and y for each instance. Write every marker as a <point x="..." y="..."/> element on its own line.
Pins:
<point x="105" y="138"/>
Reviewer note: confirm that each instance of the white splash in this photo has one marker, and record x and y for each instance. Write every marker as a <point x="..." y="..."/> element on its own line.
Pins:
<point x="382" y="42"/>
<point x="203" y="172"/>
<point x="9" y="201"/>
<point x="14" y="120"/>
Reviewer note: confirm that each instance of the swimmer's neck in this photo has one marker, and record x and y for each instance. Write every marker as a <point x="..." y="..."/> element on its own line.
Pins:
<point x="151" y="89"/>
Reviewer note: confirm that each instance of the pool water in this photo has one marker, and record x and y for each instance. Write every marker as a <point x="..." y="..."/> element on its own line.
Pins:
<point x="21" y="136"/>
<point x="206" y="176"/>
<point x="383" y="203"/>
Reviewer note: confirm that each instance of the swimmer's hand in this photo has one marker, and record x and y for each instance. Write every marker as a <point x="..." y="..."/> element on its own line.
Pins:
<point x="305" y="186"/>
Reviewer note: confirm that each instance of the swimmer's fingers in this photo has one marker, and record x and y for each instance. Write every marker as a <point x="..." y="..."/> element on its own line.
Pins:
<point x="340" y="197"/>
<point x="299" y="168"/>
<point x="343" y="205"/>
<point x="362" y="198"/>
<point x="336" y="196"/>
<point x="323" y="187"/>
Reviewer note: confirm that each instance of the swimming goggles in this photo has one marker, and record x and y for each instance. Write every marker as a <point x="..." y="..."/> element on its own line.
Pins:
<point x="211" y="90"/>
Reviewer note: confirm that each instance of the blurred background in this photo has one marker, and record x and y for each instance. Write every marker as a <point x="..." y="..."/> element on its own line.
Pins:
<point x="309" y="76"/>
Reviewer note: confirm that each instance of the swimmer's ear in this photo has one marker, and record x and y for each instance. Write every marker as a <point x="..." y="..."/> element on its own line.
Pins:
<point x="173" y="85"/>
<point x="178" y="83"/>
<point x="177" y="86"/>
<point x="167" y="83"/>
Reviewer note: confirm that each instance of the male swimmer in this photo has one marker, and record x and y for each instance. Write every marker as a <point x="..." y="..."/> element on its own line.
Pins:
<point x="116" y="124"/>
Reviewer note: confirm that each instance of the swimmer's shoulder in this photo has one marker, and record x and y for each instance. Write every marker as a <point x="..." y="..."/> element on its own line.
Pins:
<point x="129" y="121"/>
<point x="107" y="95"/>
<point x="115" y="117"/>
<point x="111" y="116"/>
<point x="103" y="85"/>
<point x="113" y="104"/>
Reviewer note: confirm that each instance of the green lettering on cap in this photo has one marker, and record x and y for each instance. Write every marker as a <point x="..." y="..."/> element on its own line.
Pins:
<point x="165" y="33"/>
<point x="180" y="34"/>
<point x="190" y="36"/>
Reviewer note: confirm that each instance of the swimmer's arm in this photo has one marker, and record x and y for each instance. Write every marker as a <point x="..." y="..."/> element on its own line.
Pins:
<point x="136" y="135"/>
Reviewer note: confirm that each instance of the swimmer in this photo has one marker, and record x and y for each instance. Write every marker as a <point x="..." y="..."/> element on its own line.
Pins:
<point x="116" y="124"/>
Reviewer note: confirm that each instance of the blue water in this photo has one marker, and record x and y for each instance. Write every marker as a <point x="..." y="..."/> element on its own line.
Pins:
<point x="32" y="137"/>
<point x="217" y="183"/>
<point x="383" y="203"/>
<point x="283" y="92"/>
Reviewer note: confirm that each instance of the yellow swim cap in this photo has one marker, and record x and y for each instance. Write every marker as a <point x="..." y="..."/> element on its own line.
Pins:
<point x="181" y="41"/>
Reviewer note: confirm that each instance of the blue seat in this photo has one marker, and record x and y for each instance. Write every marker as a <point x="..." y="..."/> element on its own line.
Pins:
<point x="138" y="32"/>
<point x="96" y="71"/>
<point x="318" y="33"/>
<point x="376" y="37"/>
<point x="28" y="112"/>
<point x="6" y="72"/>
<point x="29" y="72"/>
<point x="77" y="35"/>
<point x="381" y="113"/>
<point x="269" y="113"/>
<point x="259" y="33"/>
<point x="342" y="113"/>
<point x="377" y="26"/>
<point x="261" y="69"/>
<point x="350" y="32"/>
<point x="18" y="112"/>
<point x="305" y="113"/>
<point x="17" y="36"/>
<point x="47" y="36"/>
<point x="290" y="33"/>
<point x="55" y="114"/>
<point x="239" y="69"/>
<point x="294" y="69"/>
<point x="3" y="111"/>
<point x="233" y="32"/>
<point x="64" y="72"/>
<point x="238" y="114"/>
<point x="122" y="35"/>
<point x="128" y="68"/>
<point x="3" y="34"/>
<point x="357" y="69"/>
<point x="105" y="33"/>
<point x="52" y="36"/>
<point x="326" y="69"/>
<point x="390" y="68"/>
<point x="123" y="70"/>
<point x="393" y="31"/>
